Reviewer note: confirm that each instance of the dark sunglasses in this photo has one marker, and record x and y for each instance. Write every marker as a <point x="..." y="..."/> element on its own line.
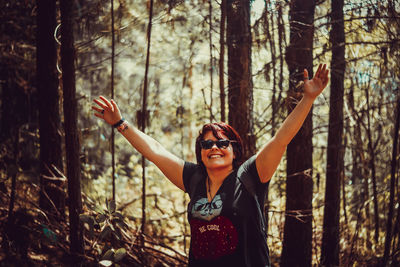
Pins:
<point x="222" y="143"/>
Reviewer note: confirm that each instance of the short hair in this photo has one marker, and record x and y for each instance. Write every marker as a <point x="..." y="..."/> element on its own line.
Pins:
<point x="218" y="128"/>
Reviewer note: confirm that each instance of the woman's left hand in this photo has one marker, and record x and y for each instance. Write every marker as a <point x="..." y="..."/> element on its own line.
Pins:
<point x="313" y="87"/>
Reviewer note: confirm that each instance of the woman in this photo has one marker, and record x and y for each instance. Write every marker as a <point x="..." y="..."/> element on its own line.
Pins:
<point x="226" y="196"/>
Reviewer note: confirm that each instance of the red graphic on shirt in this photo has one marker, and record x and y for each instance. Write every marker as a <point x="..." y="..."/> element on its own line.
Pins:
<point x="213" y="239"/>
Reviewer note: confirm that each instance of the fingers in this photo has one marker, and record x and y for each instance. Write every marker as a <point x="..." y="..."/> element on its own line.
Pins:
<point x="323" y="70"/>
<point x="100" y="104"/>
<point x="107" y="103"/>
<point x="97" y="109"/>
<point x="115" y="107"/>
<point x="317" y="73"/>
<point x="326" y="76"/>
<point x="99" y="115"/>
<point x="104" y="105"/>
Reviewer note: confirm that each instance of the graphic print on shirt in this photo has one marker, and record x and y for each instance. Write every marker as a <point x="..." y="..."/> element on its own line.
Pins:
<point x="205" y="210"/>
<point x="213" y="239"/>
<point x="213" y="235"/>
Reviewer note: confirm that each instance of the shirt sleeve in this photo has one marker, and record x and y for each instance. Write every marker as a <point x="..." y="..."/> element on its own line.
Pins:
<point x="248" y="170"/>
<point x="189" y="170"/>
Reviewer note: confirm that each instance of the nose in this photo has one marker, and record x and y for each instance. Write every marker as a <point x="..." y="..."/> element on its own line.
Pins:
<point x="214" y="146"/>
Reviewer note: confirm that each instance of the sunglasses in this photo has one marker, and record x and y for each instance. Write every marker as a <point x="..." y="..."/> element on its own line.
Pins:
<point x="222" y="143"/>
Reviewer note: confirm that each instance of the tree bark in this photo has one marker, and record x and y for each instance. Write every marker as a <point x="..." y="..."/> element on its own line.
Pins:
<point x="211" y="68"/>
<point x="70" y="126"/>
<point x="359" y="166"/>
<point x="112" y="97"/>
<point x="52" y="196"/>
<point x="389" y="224"/>
<point x="144" y="118"/>
<point x="373" y="168"/>
<point x="297" y="240"/>
<point x="334" y="169"/>
<point x="222" y="59"/>
<point x="240" y="92"/>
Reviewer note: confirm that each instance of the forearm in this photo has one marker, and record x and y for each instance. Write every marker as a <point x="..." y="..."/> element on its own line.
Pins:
<point x="144" y="144"/>
<point x="270" y="155"/>
<point x="168" y="163"/>
<point x="294" y="121"/>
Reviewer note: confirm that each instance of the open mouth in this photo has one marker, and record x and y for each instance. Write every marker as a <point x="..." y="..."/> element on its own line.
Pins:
<point x="215" y="156"/>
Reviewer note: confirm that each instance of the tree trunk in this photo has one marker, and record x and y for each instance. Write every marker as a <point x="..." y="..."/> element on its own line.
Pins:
<point x="222" y="59"/>
<point x="372" y="168"/>
<point x="359" y="166"/>
<point x="144" y="119"/>
<point x="239" y="72"/>
<point x="389" y="225"/>
<point x="211" y="68"/>
<point x="297" y="238"/>
<point x="70" y="126"/>
<point x="330" y="236"/>
<point x="271" y="39"/>
<point x="52" y="196"/>
<point x="112" y="97"/>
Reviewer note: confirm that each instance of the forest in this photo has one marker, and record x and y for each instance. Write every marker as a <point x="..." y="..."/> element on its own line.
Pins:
<point x="73" y="192"/>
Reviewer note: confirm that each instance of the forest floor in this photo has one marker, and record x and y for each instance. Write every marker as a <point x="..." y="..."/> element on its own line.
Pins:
<point x="30" y="238"/>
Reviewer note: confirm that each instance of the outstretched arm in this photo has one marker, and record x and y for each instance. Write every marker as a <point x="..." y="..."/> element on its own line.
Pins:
<point x="168" y="163"/>
<point x="270" y="155"/>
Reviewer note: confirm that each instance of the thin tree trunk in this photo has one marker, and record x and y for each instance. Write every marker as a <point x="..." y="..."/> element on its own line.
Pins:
<point x="359" y="166"/>
<point x="222" y="59"/>
<point x="239" y="72"/>
<point x="330" y="237"/>
<point x="211" y="59"/>
<point x="71" y="127"/>
<point x="373" y="170"/>
<point x="396" y="246"/>
<point x="112" y="97"/>
<point x="270" y="38"/>
<point x="297" y="241"/>
<point x="52" y="196"/>
<point x="144" y="116"/>
<point x="389" y="225"/>
<point x="282" y="44"/>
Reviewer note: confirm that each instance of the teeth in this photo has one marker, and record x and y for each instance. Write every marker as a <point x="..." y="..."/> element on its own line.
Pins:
<point x="215" y="156"/>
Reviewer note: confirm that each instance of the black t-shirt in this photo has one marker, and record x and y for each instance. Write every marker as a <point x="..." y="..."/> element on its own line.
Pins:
<point x="226" y="231"/>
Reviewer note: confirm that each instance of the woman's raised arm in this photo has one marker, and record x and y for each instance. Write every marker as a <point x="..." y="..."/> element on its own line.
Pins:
<point x="168" y="163"/>
<point x="270" y="155"/>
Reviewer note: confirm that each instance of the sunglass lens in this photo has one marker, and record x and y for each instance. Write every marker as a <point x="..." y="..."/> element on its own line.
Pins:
<point x="222" y="143"/>
<point x="207" y="144"/>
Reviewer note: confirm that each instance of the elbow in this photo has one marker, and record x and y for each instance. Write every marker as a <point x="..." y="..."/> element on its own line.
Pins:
<point x="280" y="142"/>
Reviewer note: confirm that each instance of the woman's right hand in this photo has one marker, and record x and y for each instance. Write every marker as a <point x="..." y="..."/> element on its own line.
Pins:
<point x="108" y="111"/>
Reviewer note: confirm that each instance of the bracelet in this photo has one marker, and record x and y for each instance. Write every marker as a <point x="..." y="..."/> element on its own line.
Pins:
<point x="123" y="126"/>
<point x="115" y="125"/>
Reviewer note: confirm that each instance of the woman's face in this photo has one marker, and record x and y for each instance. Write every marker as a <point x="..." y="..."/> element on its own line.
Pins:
<point x="215" y="157"/>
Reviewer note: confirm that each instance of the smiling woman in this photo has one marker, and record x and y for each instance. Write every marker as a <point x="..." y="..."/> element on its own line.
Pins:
<point x="226" y="194"/>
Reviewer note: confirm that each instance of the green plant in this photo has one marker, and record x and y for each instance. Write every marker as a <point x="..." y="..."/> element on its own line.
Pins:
<point x="106" y="228"/>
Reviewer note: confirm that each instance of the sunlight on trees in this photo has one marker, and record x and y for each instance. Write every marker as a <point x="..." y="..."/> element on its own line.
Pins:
<point x="180" y="100"/>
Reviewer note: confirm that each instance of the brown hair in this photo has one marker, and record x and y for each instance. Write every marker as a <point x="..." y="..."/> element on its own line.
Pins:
<point x="218" y="128"/>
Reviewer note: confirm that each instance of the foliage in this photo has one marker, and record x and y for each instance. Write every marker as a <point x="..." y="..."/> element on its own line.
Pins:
<point x="180" y="100"/>
<point x="111" y="225"/>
